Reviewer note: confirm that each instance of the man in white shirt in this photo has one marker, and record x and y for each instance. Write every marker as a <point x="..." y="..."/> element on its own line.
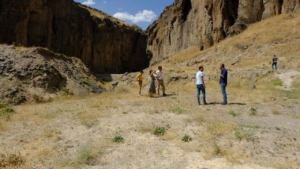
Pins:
<point x="200" y="85"/>
<point x="160" y="80"/>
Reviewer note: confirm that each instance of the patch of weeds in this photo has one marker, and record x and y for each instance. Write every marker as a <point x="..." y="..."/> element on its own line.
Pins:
<point x="39" y="73"/>
<point x="275" y="112"/>
<point x="277" y="128"/>
<point x="233" y="113"/>
<point x="217" y="150"/>
<point x="294" y="94"/>
<point x="177" y="110"/>
<point x="85" y="153"/>
<point x="11" y="160"/>
<point x="159" y="131"/>
<point x="118" y="139"/>
<point x="244" y="133"/>
<point x="38" y="99"/>
<point x="89" y="119"/>
<point x="65" y="90"/>
<point x="186" y="138"/>
<point x="6" y="111"/>
<point x="85" y="82"/>
<point x="295" y="85"/>
<point x="253" y="111"/>
<point x="252" y="126"/>
<point x="277" y="82"/>
<point x="124" y="112"/>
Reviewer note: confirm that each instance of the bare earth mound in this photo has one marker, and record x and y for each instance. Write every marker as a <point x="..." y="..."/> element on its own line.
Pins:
<point x="37" y="74"/>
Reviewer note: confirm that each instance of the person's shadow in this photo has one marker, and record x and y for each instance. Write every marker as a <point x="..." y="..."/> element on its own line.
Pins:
<point x="167" y="95"/>
<point x="217" y="103"/>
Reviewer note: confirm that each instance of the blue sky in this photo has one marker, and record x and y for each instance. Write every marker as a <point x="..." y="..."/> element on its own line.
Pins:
<point x="139" y="12"/>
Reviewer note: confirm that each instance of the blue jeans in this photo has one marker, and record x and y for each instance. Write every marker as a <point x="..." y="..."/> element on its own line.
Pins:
<point x="200" y="87"/>
<point x="223" y="88"/>
<point x="274" y="66"/>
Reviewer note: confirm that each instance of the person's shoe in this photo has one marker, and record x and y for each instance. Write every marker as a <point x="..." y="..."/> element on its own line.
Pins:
<point x="205" y="103"/>
<point x="224" y="103"/>
<point x="164" y="94"/>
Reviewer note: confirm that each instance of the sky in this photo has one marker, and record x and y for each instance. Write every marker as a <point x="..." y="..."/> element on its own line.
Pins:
<point x="138" y="12"/>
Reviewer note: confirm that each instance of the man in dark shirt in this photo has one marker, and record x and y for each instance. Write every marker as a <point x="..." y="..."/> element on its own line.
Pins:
<point x="274" y="62"/>
<point x="223" y="83"/>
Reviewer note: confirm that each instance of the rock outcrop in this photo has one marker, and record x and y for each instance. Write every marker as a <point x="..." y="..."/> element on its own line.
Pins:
<point x="103" y="43"/>
<point x="37" y="74"/>
<point x="206" y="22"/>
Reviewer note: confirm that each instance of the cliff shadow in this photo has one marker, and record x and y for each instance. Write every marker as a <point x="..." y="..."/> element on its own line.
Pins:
<point x="105" y="77"/>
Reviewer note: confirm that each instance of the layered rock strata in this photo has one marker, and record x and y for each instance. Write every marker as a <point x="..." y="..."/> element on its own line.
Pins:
<point x="103" y="43"/>
<point x="206" y="22"/>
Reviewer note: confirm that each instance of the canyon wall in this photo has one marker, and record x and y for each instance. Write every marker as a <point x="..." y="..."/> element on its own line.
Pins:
<point x="104" y="44"/>
<point x="207" y="22"/>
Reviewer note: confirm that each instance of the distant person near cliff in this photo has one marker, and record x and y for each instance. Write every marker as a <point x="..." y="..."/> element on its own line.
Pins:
<point x="160" y="80"/>
<point x="139" y="78"/>
<point x="274" y="62"/>
<point x="223" y="83"/>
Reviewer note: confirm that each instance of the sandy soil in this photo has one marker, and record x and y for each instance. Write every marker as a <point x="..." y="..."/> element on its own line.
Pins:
<point x="78" y="132"/>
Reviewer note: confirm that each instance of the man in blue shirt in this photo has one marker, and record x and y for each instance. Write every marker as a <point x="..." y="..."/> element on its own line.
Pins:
<point x="223" y="83"/>
<point x="274" y="62"/>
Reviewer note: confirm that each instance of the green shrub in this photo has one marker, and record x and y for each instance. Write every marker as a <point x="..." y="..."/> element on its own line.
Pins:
<point x="253" y="112"/>
<point x="233" y="113"/>
<point x="186" y="138"/>
<point x="6" y="111"/>
<point x="159" y="131"/>
<point x="278" y="83"/>
<point x="118" y="139"/>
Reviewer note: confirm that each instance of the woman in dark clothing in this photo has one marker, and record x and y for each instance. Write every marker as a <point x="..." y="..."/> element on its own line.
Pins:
<point x="152" y="89"/>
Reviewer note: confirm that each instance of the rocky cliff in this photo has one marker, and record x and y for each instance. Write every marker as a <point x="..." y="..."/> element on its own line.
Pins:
<point x="206" y="22"/>
<point x="103" y="43"/>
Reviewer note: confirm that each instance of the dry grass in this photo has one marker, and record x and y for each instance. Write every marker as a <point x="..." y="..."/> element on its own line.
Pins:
<point x="77" y="132"/>
<point x="275" y="112"/>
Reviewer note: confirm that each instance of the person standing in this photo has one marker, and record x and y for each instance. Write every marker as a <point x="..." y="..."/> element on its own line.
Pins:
<point x="139" y="78"/>
<point x="200" y="85"/>
<point x="160" y="80"/>
<point x="274" y="62"/>
<point x="152" y="89"/>
<point x="223" y="83"/>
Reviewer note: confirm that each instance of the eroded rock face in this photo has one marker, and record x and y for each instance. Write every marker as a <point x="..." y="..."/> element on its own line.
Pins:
<point x="104" y="44"/>
<point x="37" y="74"/>
<point x="206" y="22"/>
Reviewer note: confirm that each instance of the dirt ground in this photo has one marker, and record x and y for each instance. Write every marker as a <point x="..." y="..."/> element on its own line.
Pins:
<point x="257" y="129"/>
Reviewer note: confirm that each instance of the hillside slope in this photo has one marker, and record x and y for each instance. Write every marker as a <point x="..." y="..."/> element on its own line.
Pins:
<point x="103" y="43"/>
<point x="258" y="129"/>
<point x="204" y="23"/>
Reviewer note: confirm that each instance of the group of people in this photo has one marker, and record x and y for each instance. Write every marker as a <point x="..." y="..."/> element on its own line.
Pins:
<point x="158" y="75"/>
<point x="200" y="84"/>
